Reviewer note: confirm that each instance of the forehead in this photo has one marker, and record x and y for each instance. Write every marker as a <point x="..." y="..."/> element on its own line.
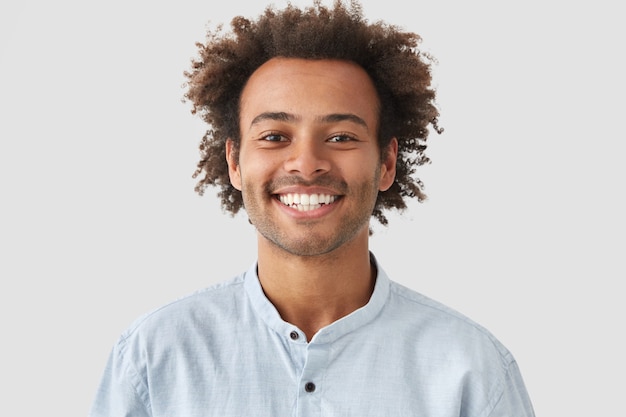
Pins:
<point x="309" y="89"/>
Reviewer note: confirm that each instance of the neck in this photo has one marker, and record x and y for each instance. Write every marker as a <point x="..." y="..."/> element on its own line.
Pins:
<point x="312" y="292"/>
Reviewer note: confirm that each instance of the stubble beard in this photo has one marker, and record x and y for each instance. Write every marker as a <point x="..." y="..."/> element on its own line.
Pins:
<point x="309" y="240"/>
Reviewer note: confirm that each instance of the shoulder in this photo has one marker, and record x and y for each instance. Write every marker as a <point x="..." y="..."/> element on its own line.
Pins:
<point x="208" y="307"/>
<point x="439" y="326"/>
<point x="458" y="353"/>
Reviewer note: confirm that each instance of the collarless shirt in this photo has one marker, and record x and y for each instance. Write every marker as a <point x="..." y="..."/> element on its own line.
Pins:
<point x="225" y="351"/>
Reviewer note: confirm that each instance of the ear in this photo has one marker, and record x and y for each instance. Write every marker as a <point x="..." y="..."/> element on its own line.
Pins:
<point x="233" y="164"/>
<point x="388" y="166"/>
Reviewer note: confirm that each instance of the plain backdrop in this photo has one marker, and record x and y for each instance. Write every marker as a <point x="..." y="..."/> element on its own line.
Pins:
<point x="523" y="230"/>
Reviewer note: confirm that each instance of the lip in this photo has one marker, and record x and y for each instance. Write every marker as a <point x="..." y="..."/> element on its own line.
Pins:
<point x="306" y="190"/>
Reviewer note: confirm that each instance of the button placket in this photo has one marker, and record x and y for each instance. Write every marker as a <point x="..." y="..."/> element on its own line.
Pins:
<point x="311" y="380"/>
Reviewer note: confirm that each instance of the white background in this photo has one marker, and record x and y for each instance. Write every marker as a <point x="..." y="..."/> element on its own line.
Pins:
<point x="523" y="231"/>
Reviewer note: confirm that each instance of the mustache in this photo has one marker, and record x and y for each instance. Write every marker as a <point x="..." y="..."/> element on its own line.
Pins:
<point x="324" y="181"/>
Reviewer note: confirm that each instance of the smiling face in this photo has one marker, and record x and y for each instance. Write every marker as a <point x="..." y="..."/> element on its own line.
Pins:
<point x="308" y="166"/>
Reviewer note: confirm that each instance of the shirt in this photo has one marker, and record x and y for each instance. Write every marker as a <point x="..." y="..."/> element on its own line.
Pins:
<point x="225" y="351"/>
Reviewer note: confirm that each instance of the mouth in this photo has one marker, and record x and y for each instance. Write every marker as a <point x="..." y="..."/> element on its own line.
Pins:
<point x="306" y="202"/>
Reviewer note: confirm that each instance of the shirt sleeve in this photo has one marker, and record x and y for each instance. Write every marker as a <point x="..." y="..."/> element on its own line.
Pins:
<point x="514" y="400"/>
<point x="119" y="392"/>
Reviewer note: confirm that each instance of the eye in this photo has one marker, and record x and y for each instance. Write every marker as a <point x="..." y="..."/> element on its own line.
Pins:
<point x="341" y="138"/>
<point x="274" y="137"/>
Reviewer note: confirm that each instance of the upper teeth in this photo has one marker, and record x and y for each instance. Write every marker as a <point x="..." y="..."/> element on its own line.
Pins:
<point x="306" y="201"/>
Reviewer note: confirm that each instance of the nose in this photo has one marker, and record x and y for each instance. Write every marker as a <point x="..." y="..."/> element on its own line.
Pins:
<point x="307" y="158"/>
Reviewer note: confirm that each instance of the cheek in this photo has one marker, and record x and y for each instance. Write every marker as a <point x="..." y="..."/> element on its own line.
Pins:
<point x="255" y="172"/>
<point x="260" y="163"/>
<point x="362" y="168"/>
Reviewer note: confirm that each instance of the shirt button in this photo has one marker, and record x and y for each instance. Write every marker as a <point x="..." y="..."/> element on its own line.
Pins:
<point x="294" y="335"/>
<point x="309" y="387"/>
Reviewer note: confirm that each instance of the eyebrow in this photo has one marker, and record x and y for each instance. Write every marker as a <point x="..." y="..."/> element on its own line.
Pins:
<point x="340" y="117"/>
<point x="329" y="118"/>
<point x="277" y="116"/>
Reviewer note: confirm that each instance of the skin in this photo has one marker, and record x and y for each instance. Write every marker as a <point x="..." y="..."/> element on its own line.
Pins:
<point x="309" y="127"/>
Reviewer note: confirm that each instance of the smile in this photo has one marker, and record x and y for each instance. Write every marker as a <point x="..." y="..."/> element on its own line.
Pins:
<point x="306" y="202"/>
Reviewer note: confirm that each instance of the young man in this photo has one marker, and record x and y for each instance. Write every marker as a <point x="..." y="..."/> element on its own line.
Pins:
<point x="318" y="119"/>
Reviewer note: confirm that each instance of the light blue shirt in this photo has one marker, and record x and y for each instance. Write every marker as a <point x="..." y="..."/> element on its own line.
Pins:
<point x="225" y="351"/>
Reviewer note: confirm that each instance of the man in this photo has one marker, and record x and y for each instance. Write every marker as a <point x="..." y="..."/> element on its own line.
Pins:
<point x="318" y="120"/>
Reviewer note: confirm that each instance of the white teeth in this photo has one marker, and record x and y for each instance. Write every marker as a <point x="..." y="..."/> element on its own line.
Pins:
<point x="306" y="202"/>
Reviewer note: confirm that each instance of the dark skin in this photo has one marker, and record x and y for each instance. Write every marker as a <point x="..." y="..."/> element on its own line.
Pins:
<point x="308" y="128"/>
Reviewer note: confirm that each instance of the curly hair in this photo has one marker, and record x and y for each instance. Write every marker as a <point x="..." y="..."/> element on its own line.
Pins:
<point x="399" y="71"/>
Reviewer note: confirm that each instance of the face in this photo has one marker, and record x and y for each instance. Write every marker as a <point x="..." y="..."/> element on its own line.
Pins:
<point x="309" y="165"/>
